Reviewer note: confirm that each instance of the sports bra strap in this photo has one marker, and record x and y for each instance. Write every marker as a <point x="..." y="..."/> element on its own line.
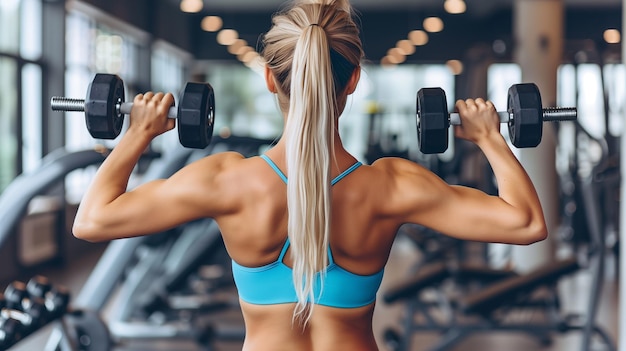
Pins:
<point x="333" y="182"/>
<point x="331" y="261"/>
<point x="283" y="251"/>
<point x="346" y="172"/>
<point x="275" y="168"/>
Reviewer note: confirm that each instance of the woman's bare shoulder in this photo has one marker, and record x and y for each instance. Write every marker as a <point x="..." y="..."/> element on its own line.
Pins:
<point x="214" y="164"/>
<point x="408" y="186"/>
<point x="397" y="167"/>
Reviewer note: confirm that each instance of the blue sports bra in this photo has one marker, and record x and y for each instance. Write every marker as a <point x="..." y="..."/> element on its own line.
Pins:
<point x="273" y="283"/>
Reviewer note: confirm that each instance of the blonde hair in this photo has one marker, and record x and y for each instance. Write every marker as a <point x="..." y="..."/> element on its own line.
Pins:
<point x="312" y="51"/>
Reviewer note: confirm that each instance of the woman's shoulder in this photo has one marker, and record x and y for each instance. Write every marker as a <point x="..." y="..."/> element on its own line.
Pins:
<point x="396" y="166"/>
<point x="405" y="178"/>
<point x="219" y="160"/>
<point x="213" y="167"/>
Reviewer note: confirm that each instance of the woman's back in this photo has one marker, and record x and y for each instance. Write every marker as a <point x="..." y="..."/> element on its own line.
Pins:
<point x="256" y="232"/>
<point x="255" y="237"/>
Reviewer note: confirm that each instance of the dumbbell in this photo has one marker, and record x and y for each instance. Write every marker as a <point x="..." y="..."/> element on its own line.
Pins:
<point x="525" y="116"/>
<point x="55" y="297"/>
<point x="105" y="108"/>
<point x="31" y="311"/>
<point x="10" y="332"/>
<point x="10" y="329"/>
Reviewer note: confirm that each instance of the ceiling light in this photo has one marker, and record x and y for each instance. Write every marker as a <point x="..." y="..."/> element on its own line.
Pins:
<point x="211" y="23"/>
<point x="612" y="36"/>
<point x="499" y="46"/>
<point x="386" y="62"/>
<point x="396" y="59"/>
<point x="227" y="36"/>
<point x="406" y="46"/>
<point x="395" y="52"/>
<point x="243" y="51"/>
<point x="455" y="66"/>
<point x="454" y="6"/>
<point x="191" y="6"/>
<point x="418" y="37"/>
<point x="235" y="47"/>
<point x="396" y="56"/>
<point x="433" y="24"/>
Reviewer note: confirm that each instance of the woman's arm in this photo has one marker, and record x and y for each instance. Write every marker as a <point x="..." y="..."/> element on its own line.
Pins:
<point x="108" y="211"/>
<point x="514" y="216"/>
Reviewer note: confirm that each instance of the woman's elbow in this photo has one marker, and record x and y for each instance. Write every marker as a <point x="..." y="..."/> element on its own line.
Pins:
<point x="87" y="232"/>
<point x="534" y="233"/>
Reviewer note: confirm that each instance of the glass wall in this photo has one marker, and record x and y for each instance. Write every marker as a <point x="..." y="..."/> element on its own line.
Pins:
<point x="20" y="87"/>
<point x="245" y="107"/>
<point x="8" y="121"/>
<point x="10" y="26"/>
<point x="9" y="40"/>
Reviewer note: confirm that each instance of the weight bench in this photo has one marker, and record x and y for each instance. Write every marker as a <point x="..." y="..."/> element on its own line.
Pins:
<point x="486" y="309"/>
<point x="509" y="291"/>
<point x="436" y="273"/>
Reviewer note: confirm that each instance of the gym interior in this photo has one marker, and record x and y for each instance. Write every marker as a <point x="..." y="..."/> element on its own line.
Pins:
<point x="174" y="291"/>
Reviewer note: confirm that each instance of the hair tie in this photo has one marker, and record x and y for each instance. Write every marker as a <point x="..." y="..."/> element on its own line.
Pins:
<point x="315" y="24"/>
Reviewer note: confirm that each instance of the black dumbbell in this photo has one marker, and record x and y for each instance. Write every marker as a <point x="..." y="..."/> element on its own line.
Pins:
<point x="10" y="332"/>
<point x="105" y="108"/>
<point x="38" y="286"/>
<point x="31" y="311"/>
<point x="56" y="298"/>
<point x="525" y="116"/>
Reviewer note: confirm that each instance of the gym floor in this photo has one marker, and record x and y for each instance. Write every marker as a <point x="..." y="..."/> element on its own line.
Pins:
<point x="574" y="296"/>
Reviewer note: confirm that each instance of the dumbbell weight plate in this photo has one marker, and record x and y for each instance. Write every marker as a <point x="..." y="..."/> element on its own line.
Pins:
<point x="526" y="124"/>
<point x="88" y="331"/>
<point x="196" y="115"/>
<point x="103" y="119"/>
<point x="432" y="120"/>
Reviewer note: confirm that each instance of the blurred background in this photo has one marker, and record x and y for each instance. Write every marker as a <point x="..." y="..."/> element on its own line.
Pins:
<point x="567" y="287"/>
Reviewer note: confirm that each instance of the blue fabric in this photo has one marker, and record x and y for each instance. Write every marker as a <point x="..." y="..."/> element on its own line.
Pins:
<point x="332" y="182"/>
<point x="275" y="168"/>
<point x="273" y="283"/>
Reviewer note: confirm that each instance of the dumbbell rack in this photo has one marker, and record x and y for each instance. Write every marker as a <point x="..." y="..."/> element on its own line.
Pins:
<point x="26" y="308"/>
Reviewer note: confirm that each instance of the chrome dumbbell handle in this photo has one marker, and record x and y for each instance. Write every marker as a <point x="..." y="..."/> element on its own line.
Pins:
<point x="58" y="103"/>
<point x="557" y="114"/>
<point x="66" y="104"/>
<point x="551" y="114"/>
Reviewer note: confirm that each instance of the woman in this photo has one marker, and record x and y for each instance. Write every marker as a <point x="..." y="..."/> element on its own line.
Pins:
<point x="306" y="214"/>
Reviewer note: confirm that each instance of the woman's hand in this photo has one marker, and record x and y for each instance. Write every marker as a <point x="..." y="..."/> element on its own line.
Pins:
<point x="149" y="114"/>
<point x="479" y="120"/>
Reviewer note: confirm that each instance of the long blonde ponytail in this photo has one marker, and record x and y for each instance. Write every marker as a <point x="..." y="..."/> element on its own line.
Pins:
<point x="308" y="134"/>
<point x="312" y="50"/>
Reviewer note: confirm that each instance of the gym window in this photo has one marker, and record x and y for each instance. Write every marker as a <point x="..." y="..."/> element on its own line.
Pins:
<point x="20" y="88"/>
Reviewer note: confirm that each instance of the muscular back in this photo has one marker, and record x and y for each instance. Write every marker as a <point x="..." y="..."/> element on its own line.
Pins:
<point x="255" y="229"/>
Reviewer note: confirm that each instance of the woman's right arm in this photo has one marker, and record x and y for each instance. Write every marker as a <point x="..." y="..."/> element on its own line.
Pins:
<point x="514" y="216"/>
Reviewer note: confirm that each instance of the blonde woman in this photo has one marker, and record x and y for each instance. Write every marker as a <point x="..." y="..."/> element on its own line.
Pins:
<point x="309" y="229"/>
